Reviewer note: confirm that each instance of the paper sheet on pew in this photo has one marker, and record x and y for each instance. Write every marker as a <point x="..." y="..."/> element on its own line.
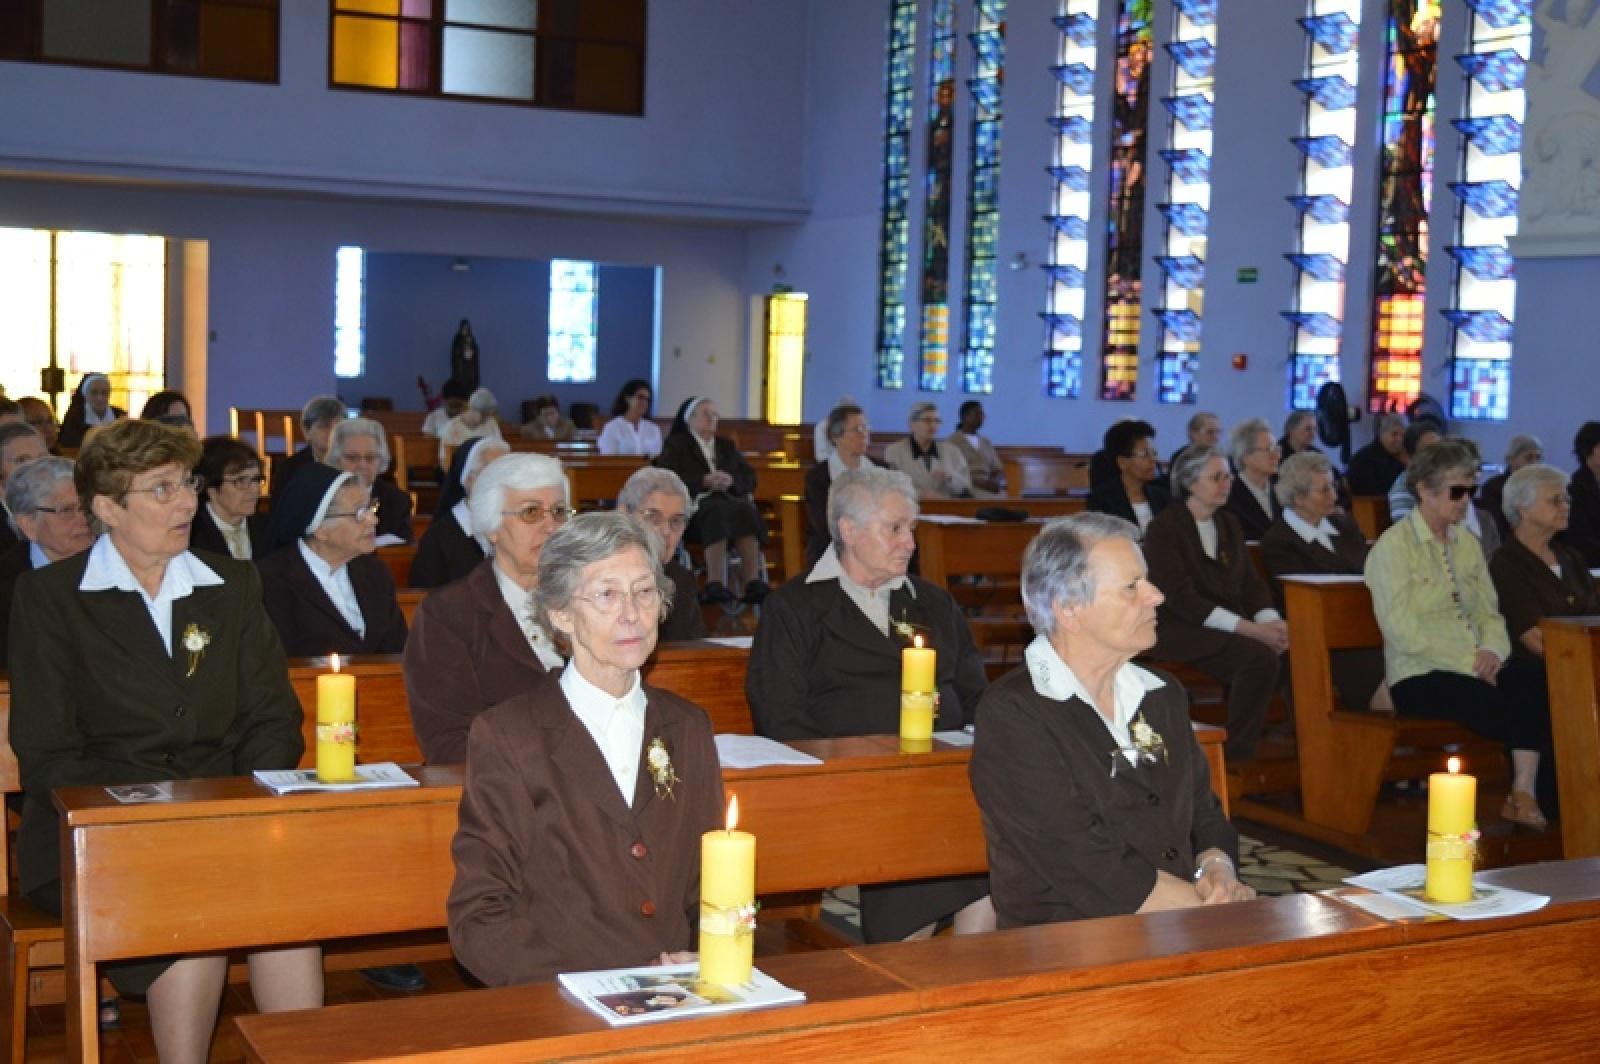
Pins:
<point x="1399" y="896"/>
<point x="625" y="996"/>
<point x="738" y="642"/>
<point x="379" y="776"/>
<point x="753" y="751"/>
<point x="1324" y="578"/>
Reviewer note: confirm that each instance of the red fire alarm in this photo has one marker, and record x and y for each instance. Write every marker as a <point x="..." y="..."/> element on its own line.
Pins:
<point x="1241" y="361"/>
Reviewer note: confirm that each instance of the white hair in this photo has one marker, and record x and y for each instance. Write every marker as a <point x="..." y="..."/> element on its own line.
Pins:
<point x="512" y="472"/>
<point x="358" y="426"/>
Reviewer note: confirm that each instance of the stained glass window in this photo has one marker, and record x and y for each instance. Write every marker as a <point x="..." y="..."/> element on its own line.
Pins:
<point x="935" y="362"/>
<point x="1071" y="162"/>
<point x="350" y="312"/>
<point x="983" y="192"/>
<point x="1405" y="200"/>
<point x="892" y="254"/>
<point x="1485" y="292"/>
<point x="1130" y="116"/>
<point x="1322" y="233"/>
<point x="1188" y="156"/>
<point x="574" y="321"/>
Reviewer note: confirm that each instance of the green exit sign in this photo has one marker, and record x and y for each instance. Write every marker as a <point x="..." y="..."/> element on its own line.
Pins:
<point x="1248" y="275"/>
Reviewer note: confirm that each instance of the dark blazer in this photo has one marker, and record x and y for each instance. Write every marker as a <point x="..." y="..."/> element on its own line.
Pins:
<point x="554" y="871"/>
<point x="394" y="509"/>
<point x="97" y="700"/>
<point x="445" y="553"/>
<point x="1286" y="554"/>
<point x="8" y="535"/>
<point x="685" y="621"/>
<point x="1528" y="590"/>
<point x="13" y="563"/>
<point x="1252" y="518"/>
<point x="1491" y="497"/>
<point x="284" y="470"/>
<point x="1583" y="526"/>
<point x="819" y="481"/>
<point x="465" y="654"/>
<point x="1372" y="470"/>
<point x="73" y="428"/>
<point x="1070" y="840"/>
<point x="307" y="620"/>
<point x="1194" y="584"/>
<point x="681" y="454"/>
<point x="1110" y="497"/>
<point x="205" y="535"/>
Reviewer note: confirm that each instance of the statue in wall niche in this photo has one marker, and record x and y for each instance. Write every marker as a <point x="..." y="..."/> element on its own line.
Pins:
<point x="464" y="358"/>
<point x="1561" y="137"/>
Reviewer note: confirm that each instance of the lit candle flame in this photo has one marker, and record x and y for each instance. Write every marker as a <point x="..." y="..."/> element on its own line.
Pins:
<point x="1454" y="765"/>
<point x="733" y="813"/>
<point x="916" y="641"/>
<point x="334" y="660"/>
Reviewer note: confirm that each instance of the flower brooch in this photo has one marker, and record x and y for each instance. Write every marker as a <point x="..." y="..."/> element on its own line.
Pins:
<point x="195" y="641"/>
<point x="1148" y="745"/>
<point x="659" y="763"/>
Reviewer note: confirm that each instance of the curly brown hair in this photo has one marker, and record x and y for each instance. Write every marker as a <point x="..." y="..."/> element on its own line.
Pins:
<point x="121" y="451"/>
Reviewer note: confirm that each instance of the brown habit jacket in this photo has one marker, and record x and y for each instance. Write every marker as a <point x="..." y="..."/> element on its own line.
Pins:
<point x="1195" y="584"/>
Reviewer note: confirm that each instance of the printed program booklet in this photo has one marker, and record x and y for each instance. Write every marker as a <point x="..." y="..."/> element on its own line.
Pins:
<point x="374" y="777"/>
<point x="644" y="995"/>
<point x="1400" y="896"/>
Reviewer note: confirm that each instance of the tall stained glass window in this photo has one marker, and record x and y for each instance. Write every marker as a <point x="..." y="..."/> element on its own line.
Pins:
<point x="935" y="366"/>
<point x="350" y="312"/>
<point x="1070" y="164"/>
<point x="1486" y="208"/>
<point x="1130" y="116"/>
<point x="1322" y="235"/>
<point x="983" y="192"/>
<point x="1182" y="261"/>
<point x="574" y="321"/>
<point x="898" y="89"/>
<point x="1405" y="200"/>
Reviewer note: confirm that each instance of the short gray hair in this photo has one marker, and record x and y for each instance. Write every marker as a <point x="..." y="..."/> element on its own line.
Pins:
<point x="31" y="484"/>
<point x="358" y="426"/>
<point x="1292" y="422"/>
<point x="1384" y="422"/>
<point x="321" y="408"/>
<point x="1521" y="445"/>
<point x="647" y="481"/>
<point x="512" y="472"/>
<point x="578" y="544"/>
<point x="1522" y="488"/>
<point x="1297" y="475"/>
<point x="483" y="401"/>
<point x="918" y="409"/>
<point x="838" y="418"/>
<point x="1055" y="566"/>
<point x="1431" y="465"/>
<point x="1241" y="441"/>
<point x="1200" y="418"/>
<point x="1186" y="470"/>
<point x="856" y="494"/>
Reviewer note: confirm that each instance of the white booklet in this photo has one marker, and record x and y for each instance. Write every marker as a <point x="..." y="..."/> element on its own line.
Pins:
<point x="375" y="777"/>
<point x="1400" y="889"/>
<point x="644" y="995"/>
<point x="753" y="751"/>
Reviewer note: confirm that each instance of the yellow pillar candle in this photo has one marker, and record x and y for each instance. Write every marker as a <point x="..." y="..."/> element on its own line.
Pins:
<point x="1452" y="834"/>
<point x="727" y="903"/>
<point x="918" y="667"/>
<point x="336" y="726"/>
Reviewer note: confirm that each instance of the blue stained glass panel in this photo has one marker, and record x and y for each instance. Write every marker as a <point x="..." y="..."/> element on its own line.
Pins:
<point x="1481" y="389"/>
<point x="1488" y="263"/>
<point x="990" y="47"/>
<point x="1485" y="326"/>
<point x="1491" y="199"/>
<point x="1194" y="111"/>
<point x="1493" y="134"/>
<point x="1323" y="267"/>
<point x="1327" y="209"/>
<point x="1200" y="12"/>
<point x="1190" y="166"/>
<point x="1185" y="271"/>
<point x="1187" y="218"/>
<point x="1070" y="225"/>
<point x="1075" y="128"/>
<point x="985" y="92"/>
<point x="1183" y="324"/>
<point x="1337" y="33"/>
<point x="1332" y="92"/>
<point x="1068" y="326"/>
<point x="1196" y="56"/>
<point x="1495" y="71"/>
<point x="1063" y="374"/>
<point x="1075" y="76"/>
<point x="1079" y="29"/>
<point x="1064" y="273"/>
<point x="1501" y="13"/>
<point x="1326" y="150"/>
<point x="1074" y="177"/>
<point x="1323" y="326"/>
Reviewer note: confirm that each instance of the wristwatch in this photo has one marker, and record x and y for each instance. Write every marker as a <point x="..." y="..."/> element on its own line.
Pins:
<point x="1200" y="869"/>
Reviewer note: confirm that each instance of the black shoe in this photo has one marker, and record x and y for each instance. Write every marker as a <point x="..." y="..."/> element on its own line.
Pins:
<point x="407" y="978"/>
<point x="717" y="594"/>
<point x="756" y="591"/>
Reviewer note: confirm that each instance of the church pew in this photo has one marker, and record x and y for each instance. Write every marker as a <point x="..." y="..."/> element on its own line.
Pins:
<point x="399" y="558"/>
<point x="270" y="431"/>
<point x="1572" y="664"/>
<point x="410" y="598"/>
<point x="1371" y="515"/>
<point x="596" y="481"/>
<point x="1188" y="983"/>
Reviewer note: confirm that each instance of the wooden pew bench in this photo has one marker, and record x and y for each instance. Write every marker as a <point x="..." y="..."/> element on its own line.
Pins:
<point x="1572" y="663"/>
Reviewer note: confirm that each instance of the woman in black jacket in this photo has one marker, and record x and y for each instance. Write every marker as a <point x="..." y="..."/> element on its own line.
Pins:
<point x="449" y="550"/>
<point x="722" y="483"/>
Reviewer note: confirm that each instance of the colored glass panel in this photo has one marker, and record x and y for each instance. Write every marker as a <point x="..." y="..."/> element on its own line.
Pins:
<point x="1130" y="119"/>
<point x="983" y="194"/>
<point x="895" y="228"/>
<point x="935" y="360"/>
<point x="1068" y="214"/>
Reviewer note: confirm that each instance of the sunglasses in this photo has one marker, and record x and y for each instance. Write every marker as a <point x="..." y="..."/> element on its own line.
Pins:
<point x="1461" y="491"/>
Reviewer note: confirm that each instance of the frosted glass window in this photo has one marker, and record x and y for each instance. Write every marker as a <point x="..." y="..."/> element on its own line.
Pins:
<point x="574" y="321"/>
<point x="350" y="312"/>
<point x="487" y="63"/>
<point x="24" y="308"/>
<point x="508" y="14"/>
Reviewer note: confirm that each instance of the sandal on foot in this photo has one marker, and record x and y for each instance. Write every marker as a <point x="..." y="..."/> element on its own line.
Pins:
<point x="110" y="1014"/>
<point x="1523" y="808"/>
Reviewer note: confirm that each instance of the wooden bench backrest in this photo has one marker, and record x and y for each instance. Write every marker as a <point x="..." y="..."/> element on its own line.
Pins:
<point x="1572" y="662"/>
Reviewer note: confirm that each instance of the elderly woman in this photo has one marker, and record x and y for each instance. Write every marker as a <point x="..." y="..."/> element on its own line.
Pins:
<point x="574" y="783"/>
<point x="317" y="419"/>
<point x="722" y="483"/>
<point x="1218" y="614"/>
<point x="1204" y="429"/>
<point x="449" y="550"/>
<point x="116" y="638"/>
<point x="1255" y="456"/>
<point x="826" y="663"/>
<point x="658" y="498"/>
<point x="1521" y="452"/>
<point x="1583" y="528"/>
<point x="326" y="592"/>
<point x="848" y="439"/>
<point x="37" y="413"/>
<point x="938" y="471"/>
<point x="90" y="406"/>
<point x="1133" y="492"/>
<point x="1444" y="641"/>
<point x="1311" y="536"/>
<point x="476" y="422"/>
<point x="477" y="641"/>
<point x="629" y="429"/>
<point x="1373" y="468"/>
<point x="228" y="521"/>
<point x="1299" y="434"/>
<point x="1095" y="795"/>
<point x="360" y="445"/>
<point x="19" y="445"/>
<point x="44" y="507"/>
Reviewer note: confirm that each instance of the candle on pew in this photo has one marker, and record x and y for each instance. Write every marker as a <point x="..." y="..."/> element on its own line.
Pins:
<point x="727" y="903"/>
<point x="1452" y="834"/>
<point x="336" y="725"/>
<point x="918" y="667"/>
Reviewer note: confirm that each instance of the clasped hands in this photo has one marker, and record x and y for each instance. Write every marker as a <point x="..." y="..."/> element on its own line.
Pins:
<point x="717" y="480"/>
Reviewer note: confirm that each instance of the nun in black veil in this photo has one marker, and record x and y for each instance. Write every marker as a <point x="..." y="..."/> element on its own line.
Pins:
<point x="449" y="549"/>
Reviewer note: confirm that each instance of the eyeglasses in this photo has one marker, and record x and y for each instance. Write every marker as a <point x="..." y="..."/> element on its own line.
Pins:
<point x="71" y="510"/>
<point x="859" y="430"/>
<point x="245" y="480"/>
<point x="678" y="522"/>
<point x="1151" y="455"/>
<point x="930" y="420"/>
<point x="360" y="513"/>
<point x="1461" y="491"/>
<point x="167" y="490"/>
<point x="609" y="600"/>
<point x="533" y="513"/>
<point x="1220" y="478"/>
